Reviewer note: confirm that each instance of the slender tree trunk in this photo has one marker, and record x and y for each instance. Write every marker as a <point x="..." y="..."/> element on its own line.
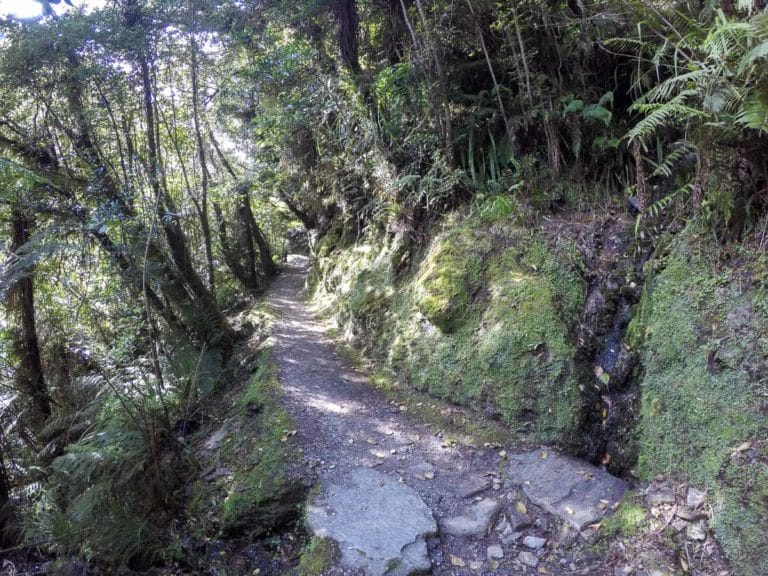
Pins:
<point x="5" y="495"/>
<point x="396" y="32"/>
<point x="222" y="158"/>
<point x="255" y="234"/>
<point x="214" y="328"/>
<point x="442" y="108"/>
<point x="499" y="99"/>
<point x="204" y="176"/>
<point x="349" y="22"/>
<point x="30" y="377"/>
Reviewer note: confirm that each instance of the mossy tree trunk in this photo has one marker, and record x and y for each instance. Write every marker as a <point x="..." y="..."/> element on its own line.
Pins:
<point x="29" y="375"/>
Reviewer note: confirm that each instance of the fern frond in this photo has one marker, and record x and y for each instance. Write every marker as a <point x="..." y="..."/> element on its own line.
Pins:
<point x="661" y="115"/>
<point x="758" y="52"/>
<point x="727" y="38"/>
<point x="754" y="111"/>
<point x="672" y="86"/>
<point x="666" y="167"/>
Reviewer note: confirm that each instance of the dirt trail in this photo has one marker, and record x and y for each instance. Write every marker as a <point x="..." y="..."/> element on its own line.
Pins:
<point x="345" y="425"/>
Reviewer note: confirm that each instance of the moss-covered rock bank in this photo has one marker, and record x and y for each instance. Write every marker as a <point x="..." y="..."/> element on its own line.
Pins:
<point x="483" y="319"/>
<point x="497" y="317"/>
<point x="702" y="327"/>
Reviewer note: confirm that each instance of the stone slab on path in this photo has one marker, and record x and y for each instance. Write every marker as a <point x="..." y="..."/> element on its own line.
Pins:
<point x="380" y="525"/>
<point x="474" y="520"/>
<point x="574" y="490"/>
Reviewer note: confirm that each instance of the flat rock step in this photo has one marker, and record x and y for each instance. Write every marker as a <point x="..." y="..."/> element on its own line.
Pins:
<point x="380" y="525"/>
<point x="574" y="490"/>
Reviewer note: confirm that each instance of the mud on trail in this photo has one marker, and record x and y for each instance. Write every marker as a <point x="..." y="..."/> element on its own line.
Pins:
<point x="398" y="498"/>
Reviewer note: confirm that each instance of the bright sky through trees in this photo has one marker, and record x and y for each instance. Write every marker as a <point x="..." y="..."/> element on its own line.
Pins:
<point x="21" y="8"/>
<point x="33" y="9"/>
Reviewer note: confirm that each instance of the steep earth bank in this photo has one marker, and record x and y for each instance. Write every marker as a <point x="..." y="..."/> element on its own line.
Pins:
<point x="574" y="333"/>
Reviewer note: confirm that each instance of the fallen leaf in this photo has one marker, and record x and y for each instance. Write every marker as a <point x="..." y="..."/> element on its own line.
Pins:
<point x="372" y="441"/>
<point x="456" y="561"/>
<point x="598" y="371"/>
<point x="520" y="507"/>
<point x="429" y="475"/>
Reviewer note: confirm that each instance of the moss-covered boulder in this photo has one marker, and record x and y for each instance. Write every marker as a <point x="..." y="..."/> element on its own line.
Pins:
<point x="704" y="397"/>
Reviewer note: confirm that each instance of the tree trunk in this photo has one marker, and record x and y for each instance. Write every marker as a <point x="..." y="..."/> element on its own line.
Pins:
<point x="255" y="234"/>
<point x="212" y="326"/>
<point x="309" y="220"/>
<point x="349" y="22"/>
<point x="204" y="176"/>
<point x="29" y="376"/>
<point x="249" y="281"/>
<point x="5" y="495"/>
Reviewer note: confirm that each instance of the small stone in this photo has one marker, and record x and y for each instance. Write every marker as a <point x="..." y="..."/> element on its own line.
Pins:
<point x="476" y="565"/>
<point x="623" y="571"/>
<point x="534" y="542"/>
<point x="520" y="521"/>
<point x="695" y="498"/>
<point x="507" y="539"/>
<point x="660" y="496"/>
<point x="528" y="559"/>
<point x="541" y="524"/>
<point x="503" y="526"/>
<point x="697" y="531"/>
<point x="678" y="525"/>
<point x="457" y="561"/>
<point x="494" y="552"/>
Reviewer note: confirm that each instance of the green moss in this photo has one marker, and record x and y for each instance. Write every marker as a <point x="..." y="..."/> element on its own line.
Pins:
<point x="451" y="274"/>
<point x="625" y="521"/>
<point x="483" y="321"/>
<point x="523" y="345"/>
<point x="319" y="555"/>
<point x="704" y="347"/>
<point x="741" y="509"/>
<point x="259" y="456"/>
